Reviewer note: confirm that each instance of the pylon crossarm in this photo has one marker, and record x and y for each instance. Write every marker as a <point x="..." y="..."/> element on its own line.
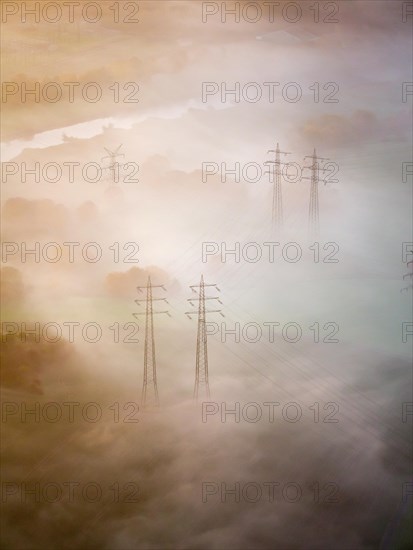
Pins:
<point x="205" y="298"/>
<point x="199" y="286"/>
<point x="313" y="167"/>
<point x="112" y="167"/>
<point x="316" y="157"/>
<point x="113" y="152"/>
<point x="197" y="299"/>
<point x="153" y="313"/>
<point x="137" y="301"/>
<point x="139" y="288"/>
<point x="206" y="311"/>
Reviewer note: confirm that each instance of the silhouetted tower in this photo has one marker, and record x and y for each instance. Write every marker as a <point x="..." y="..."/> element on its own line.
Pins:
<point x="277" y="219"/>
<point x="201" y="369"/>
<point x="113" y="163"/>
<point x="150" y="397"/>
<point x="313" y="214"/>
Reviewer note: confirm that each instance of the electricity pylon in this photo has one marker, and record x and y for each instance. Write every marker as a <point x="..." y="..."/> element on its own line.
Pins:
<point x="113" y="164"/>
<point x="201" y="371"/>
<point x="313" y="214"/>
<point x="150" y="397"/>
<point x="277" y="220"/>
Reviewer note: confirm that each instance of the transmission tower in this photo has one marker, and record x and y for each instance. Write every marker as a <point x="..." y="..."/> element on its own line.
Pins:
<point x="201" y="371"/>
<point x="277" y="220"/>
<point x="113" y="163"/>
<point x="150" y="397"/>
<point x="313" y="216"/>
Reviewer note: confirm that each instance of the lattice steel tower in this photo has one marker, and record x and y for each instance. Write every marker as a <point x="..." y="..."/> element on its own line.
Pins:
<point x="201" y="369"/>
<point x="313" y="214"/>
<point x="150" y="396"/>
<point x="277" y="219"/>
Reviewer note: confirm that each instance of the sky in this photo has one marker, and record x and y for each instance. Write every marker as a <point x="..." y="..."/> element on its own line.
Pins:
<point x="310" y="342"/>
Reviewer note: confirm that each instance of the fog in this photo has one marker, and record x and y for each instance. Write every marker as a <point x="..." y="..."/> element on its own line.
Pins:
<point x="309" y="345"/>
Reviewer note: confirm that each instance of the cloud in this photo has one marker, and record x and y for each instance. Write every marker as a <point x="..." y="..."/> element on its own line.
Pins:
<point x="360" y="128"/>
<point x="341" y="130"/>
<point x="25" y="359"/>
<point x="123" y="284"/>
<point x="13" y="290"/>
<point x="38" y="217"/>
<point x="166" y="457"/>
